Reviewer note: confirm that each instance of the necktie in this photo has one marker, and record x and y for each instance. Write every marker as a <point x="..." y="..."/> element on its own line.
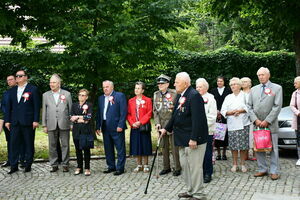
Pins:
<point x="263" y="89"/>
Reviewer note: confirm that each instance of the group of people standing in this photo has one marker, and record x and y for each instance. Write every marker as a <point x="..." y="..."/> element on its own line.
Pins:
<point x="185" y="120"/>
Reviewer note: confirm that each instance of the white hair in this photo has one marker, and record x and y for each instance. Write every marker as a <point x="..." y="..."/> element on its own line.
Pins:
<point x="235" y="80"/>
<point x="203" y="81"/>
<point x="57" y="77"/>
<point x="248" y="80"/>
<point x="185" y="76"/>
<point x="297" y="79"/>
<point x="108" y="81"/>
<point x="263" y="69"/>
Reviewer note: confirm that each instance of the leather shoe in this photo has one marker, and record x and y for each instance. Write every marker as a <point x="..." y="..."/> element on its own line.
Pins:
<point x="218" y="158"/>
<point x="109" y="171"/>
<point x="118" y="172"/>
<point x="260" y="174"/>
<point x="27" y="169"/>
<point x="13" y="170"/>
<point x="22" y="165"/>
<point x="65" y="169"/>
<point x="207" y="178"/>
<point x="224" y="157"/>
<point x="184" y="195"/>
<point x="165" y="171"/>
<point x="54" y="169"/>
<point x="176" y="172"/>
<point x="6" y="164"/>
<point x="274" y="176"/>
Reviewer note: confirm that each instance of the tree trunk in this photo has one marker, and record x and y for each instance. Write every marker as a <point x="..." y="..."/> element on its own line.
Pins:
<point x="297" y="51"/>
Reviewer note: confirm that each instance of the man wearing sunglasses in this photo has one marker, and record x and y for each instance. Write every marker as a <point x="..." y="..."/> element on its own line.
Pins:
<point x="22" y="118"/>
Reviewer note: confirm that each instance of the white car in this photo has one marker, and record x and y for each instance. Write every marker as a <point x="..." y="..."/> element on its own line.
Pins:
<point x="286" y="135"/>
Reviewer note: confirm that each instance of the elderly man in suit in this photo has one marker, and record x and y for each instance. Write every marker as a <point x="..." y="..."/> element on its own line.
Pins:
<point x="22" y="118"/>
<point x="57" y="105"/>
<point x="189" y="125"/>
<point x="265" y="101"/>
<point x="111" y="121"/>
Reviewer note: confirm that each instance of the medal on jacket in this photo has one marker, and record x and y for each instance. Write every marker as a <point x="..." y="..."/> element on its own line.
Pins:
<point x="169" y="102"/>
<point x="111" y="100"/>
<point x="181" y="102"/>
<point x="85" y="108"/>
<point x="26" y="96"/>
<point x="62" y="98"/>
<point x="205" y="99"/>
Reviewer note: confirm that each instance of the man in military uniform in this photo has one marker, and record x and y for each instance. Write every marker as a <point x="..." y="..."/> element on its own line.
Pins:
<point x="162" y="109"/>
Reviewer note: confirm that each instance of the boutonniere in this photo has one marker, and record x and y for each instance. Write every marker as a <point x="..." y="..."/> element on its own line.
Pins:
<point x="111" y="100"/>
<point x="85" y="108"/>
<point x="269" y="92"/>
<point x="181" y="102"/>
<point x="62" y="98"/>
<point x="26" y="96"/>
<point x="205" y="99"/>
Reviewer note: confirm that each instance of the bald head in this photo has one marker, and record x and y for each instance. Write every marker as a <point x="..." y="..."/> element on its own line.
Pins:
<point x="182" y="82"/>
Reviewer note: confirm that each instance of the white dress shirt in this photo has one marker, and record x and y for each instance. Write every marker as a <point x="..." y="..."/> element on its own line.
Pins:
<point x="56" y="96"/>
<point x="106" y="101"/>
<point x="221" y="90"/>
<point x="20" y="91"/>
<point x="235" y="102"/>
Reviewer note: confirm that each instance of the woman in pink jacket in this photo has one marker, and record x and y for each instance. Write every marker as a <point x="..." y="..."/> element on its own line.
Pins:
<point x="295" y="106"/>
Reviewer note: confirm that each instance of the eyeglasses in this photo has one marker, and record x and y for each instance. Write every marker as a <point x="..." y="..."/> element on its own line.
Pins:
<point x="82" y="95"/>
<point x="20" y="75"/>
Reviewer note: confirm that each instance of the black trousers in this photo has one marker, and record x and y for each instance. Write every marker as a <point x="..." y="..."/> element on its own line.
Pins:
<point x="79" y="155"/>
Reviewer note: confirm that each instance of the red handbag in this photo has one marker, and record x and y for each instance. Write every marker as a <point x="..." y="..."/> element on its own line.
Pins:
<point x="262" y="140"/>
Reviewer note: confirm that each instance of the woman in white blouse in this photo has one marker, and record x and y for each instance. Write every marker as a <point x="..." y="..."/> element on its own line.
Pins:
<point x="235" y="110"/>
<point x="211" y="115"/>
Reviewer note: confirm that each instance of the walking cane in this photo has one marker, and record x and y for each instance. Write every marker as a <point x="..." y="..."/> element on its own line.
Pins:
<point x="157" y="146"/>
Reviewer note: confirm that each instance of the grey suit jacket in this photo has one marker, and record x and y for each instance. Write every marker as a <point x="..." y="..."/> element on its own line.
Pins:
<point x="266" y="107"/>
<point x="56" y="114"/>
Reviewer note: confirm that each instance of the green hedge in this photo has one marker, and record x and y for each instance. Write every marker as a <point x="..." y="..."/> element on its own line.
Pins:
<point x="232" y="62"/>
<point x="227" y="61"/>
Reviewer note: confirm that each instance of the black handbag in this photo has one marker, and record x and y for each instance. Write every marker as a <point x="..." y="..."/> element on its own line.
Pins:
<point x="86" y="141"/>
<point x="145" y="128"/>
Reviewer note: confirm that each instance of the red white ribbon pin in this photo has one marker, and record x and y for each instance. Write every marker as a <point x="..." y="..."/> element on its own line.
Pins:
<point x="62" y="98"/>
<point x="205" y="99"/>
<point x="85" y="108"/>
<point x="26" y="96"/>
<point x="181" y="102"/>
<point x="269" y="92"/>
<point x="111" y="100"/>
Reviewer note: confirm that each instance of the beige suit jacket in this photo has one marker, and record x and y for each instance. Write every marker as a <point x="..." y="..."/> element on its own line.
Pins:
<point x="264" y="106"/>
<point x="56" y="114"/>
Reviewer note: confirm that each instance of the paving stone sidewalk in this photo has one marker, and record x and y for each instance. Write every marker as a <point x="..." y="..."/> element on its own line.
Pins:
<point x="41" y="184"/>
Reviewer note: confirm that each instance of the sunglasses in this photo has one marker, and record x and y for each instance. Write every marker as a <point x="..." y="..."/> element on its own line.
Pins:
<point x="20" y="76"/>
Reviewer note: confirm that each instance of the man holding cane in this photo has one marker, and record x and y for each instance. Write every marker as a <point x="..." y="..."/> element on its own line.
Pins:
<point x="189" y="125"/>
<point x="162" y="110"/>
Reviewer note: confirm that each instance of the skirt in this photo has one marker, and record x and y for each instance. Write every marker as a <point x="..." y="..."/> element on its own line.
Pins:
<point x="140" y="143"/>
<point x="239" y="140"/>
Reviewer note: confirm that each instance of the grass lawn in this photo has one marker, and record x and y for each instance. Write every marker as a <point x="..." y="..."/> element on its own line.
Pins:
<point x="41" y="145"/>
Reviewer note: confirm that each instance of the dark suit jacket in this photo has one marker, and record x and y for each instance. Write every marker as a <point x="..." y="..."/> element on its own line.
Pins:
<point x="190" y="122"/>
<point x="220" y="98"/>
<point x="24" y="112"/>
<point x="115" y="114"/>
